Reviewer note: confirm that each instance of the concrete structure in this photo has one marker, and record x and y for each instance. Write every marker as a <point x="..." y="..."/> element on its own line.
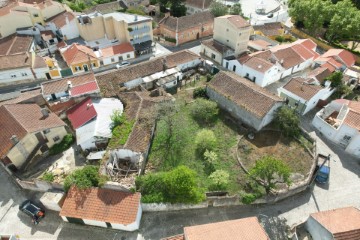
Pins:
<point x="269" y="66"/>
<point x="65" y="24"/>
<point x="303" y="94"/>
<point x="341" y="223"/>
<point x="179" y="30"/>
<point x="20" y="14"/>
<point x="103" y="208"/>
<point x="115" y="54"/>
<point x="251" y="104"/>
<point x="339" y="121"/>
<point x="52" y="200"/>
<point x="27" y="131"/>
<point x="117" y="28"/>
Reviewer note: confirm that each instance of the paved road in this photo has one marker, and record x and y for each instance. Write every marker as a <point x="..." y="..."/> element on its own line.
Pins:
<point x="343" y="190"/>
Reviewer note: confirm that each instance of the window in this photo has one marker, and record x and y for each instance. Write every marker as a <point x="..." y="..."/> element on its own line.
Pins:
<point x="128" y="56"/>
<point x="227" y="29"/>
<point x="23" y="74"/>
<point x="227" y="40"/>
<point x="77" y="68"/>
<point x="247" y="75"/>
<point x="57" y="138"/>
<point x="112" y="60"/>
<point x="234" y="68"/>
<point x="213" y="56"/>
<point x="46" y="131"/>
<point x="346" y="138"/>
<point x="101" y="63"/>
<point x="13" y="76"/>
<point x="36" y="15"/>
<point x="94" y="64"/>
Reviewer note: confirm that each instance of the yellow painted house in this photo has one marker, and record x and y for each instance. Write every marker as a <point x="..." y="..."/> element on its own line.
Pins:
<point x="80" y="58"/>
<point x="54" y="69"/>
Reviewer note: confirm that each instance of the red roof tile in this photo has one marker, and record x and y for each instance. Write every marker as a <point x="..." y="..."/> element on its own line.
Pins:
<point x="78" y="54"/>
<point x="345" y="56"/>
<point x="81" y="113"/>
<point x="308" y="43"/>
<point x="117" y="49"/>
<point x="240" y="229"/>
<point x="85" y="88"/>
<point x="60" y="19"/>
<point x="330" y="67"/>
<point x="303" y="51"/>
<point x="176" y="237"/>
<point x="301" y="88"/>
<point x="104" y="205"/>
<point x="237" y="21"/>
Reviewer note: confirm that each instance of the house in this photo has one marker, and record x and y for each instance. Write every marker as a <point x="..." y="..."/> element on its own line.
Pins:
<point x="20" y="14"/>
<point x="319" y="74"/>
<point x="270" y="30"/>
<point x="65" y="25"/>
<point x="339" y="121"/>
<point x="103" y="30"/>
<point x="231" y="36"/>
<point x="18" y="61"/>
<point x="22" y="97"/>
<point x="341" y="223"/>
<point x="26" y="131"/>
<point x="105" y="8"/>
<point x="115" y="54"/>
<point x="80" y="58"/>
<point x="70" y="87"/>
<point x="147" y="74"/>
<point x="184" y="29"/>
<point x="346" y="58"/>
<point x="102" y="208"/>
<point x="304" y="94"/>
<point x="259" y="45"/>
<point x="239" y="229"/>
<point x="246" y="101"/>
<point x="91" y="119"/>
<point x="196" y="6"/>
<point x="266" y="67"/>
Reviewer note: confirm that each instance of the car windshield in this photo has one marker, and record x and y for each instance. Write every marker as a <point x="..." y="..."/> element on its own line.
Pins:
<point x="31" y="208"/>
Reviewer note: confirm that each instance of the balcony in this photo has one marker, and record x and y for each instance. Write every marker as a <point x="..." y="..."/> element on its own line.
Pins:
<point x="140" y="40"/>
<point x="139" y="31"/>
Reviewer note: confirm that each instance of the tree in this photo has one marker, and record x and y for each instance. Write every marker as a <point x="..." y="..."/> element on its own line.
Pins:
<point x="205" y="140"/>
<point x="178" y="9"/>
<point x="236" y="9"/>
<point x="204" y="110"/>
<point x="117" y="118"/>
<point x="85" y="177"/>
<point x="179" y="185"/>
<point x="219" y="180"/>
<point x="288" y="121"/>
<point x="270" y="171"/>
<point x="210" y="156"/>
<point x="335" y="78"/>
<point x="199" y="92"/>
<point x="218" y="9"/>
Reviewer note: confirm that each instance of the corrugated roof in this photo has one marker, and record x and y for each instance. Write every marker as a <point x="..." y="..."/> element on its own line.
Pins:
<point x="103" y="205"/>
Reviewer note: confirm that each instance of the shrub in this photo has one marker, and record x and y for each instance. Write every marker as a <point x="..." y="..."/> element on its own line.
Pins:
<point x="121" y="133"/>
<point x="177" y="186"/>
<point x="209" y="77"/>
<point x="280" y="39"/>
<point x="117" y="118"/>
<point x="210" y="156"/>
<point x="84" y="178"/>
<point x="219" y="180"/>
<point x="204" y="110"/>
<point x="199" y="92"/>
<point x="205" y="140"/>
<point x="65" y="143"/>
<point x="248" y="198"/>
<point x="288" y="121"/>
<point x="169" y="39"/>
<point x="48" y="177"/>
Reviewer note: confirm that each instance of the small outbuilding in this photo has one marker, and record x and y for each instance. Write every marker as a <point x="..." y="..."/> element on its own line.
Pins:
<point x="103" y="208"/>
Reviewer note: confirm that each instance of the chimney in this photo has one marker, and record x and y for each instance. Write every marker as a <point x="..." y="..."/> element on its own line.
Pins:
<point x="88" y="105"/>
<point x="44" y="112"/>
<point x="69" y="85"/>
<point x="14" y="139"/>
<point x="167" y="14"/>
<point x="164" y="65"/>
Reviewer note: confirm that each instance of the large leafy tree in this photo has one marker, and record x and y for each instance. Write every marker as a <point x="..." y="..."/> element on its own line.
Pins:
<point x="288" y="121"/>
<point x="205" y="140"/>
<point x="85" y="177"/>
<point x="236" y="9"/>
<point x="270" y="171"/>
<point x="218" y="9"/>
<point x="204" y="110"/>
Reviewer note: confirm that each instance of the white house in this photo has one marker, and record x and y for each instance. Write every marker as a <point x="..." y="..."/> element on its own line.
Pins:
<point x="115" y="54"/>
<point x="339" y="121"/>
<point x="65" y="25"/>
<point x="103" y="208"/>
<point x="341" y="223"/>
<point x="304" y="94"/>
<point x="91" y="118"/>
<point x="246" y="101"/>
<point x="269" y="66"/>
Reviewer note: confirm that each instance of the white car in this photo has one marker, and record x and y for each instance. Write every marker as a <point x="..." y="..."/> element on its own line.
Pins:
<point x="123" y="64"/>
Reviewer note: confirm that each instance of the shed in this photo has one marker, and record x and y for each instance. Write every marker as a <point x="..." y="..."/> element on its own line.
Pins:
<point x="52" y="200"/>
<point x="103" y="208"/>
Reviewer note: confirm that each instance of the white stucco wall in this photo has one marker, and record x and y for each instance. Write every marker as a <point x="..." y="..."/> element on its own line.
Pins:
<point x="354" y="146"/>
<point x="208" y="52"/>
<point x="20" y="74"/>
<point x="107" y="60"/>
<point x="317" y="231"/>
<point x="40" y="73"/>
<point x="70" y="30"/>
<point x="190" y="64"/>
<point x="94" y="223"/>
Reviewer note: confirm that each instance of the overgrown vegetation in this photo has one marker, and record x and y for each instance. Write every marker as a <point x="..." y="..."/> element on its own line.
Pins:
<point x="48" y="177"/>
<point x="288" y="121"/>
<point x="65" y="143"/>
<point x="180" y="185"/>
<point x="85" y="177"/>
<point x="169" y="39"/>
<point x="200" y="92"/>
<point x="121" y="132"/>
<point x="204" y="110"/>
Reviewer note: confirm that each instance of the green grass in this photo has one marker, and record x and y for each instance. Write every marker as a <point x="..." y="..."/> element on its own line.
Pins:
<point x="121" y="133"/>
<point x="48" y="177"/>
<point x="65" y="143"/>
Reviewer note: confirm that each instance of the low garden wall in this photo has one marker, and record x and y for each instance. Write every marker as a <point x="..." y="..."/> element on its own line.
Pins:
<point x="40" y="185"/>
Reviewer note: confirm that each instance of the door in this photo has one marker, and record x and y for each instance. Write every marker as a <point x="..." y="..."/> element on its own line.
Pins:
<point x="197" y="36"/>
<point x="48" y="76"/>
<point x="86" y="68"/>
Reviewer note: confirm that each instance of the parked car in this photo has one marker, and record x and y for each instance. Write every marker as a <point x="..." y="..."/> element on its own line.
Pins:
<point x="270" y="15"/>
<point x="32" y="210"/>
<point x="123" y="64"/>
<point x="323" y="169"/>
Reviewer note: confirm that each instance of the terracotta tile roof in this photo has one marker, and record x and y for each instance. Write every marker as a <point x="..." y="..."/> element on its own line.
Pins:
<point x="187" y="22"/>
<point x="9" y="127"/>
<point x="103" y="205"/>
<point x="15" y="44"/>
<point x="81" y="113"/>
<point x="341" y="54"/>
<point x="240" y="229"/>
<point x="21" y="60"/>
<point x="110" y="81"/>
<point x="86" y="88"/>
<point x="237" y="21"/>
<point x="304" y="52"/>
<point x="258" y="64"/>
<point x="308" y="43"/>
<point x="176" y="237"/>
<point x="352" y="118"/>
<point x="301" y="88"/>
<point x="288" y="57"/>
<point x="269" y="29"/>
<point x="117" y="49"/>
<point x="39" y="62"/>
<point x="320" y="73"/>
<point x="60" y="19"/>
<point x="105" y="7"/>
<point x="343" y="223"/>
<point x="78" y="54"/>
<point x="61" y="85"/>
<point x="244" y="93"/>
<point x="202" y="4"/>
<point x="215" y="45"/>
<point x="24" y="96"/>
<point x="330" y="67"/>
<point x="259" y="43"/>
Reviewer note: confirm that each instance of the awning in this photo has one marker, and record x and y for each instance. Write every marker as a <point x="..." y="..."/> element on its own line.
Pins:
<point x="143" y="46"/>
